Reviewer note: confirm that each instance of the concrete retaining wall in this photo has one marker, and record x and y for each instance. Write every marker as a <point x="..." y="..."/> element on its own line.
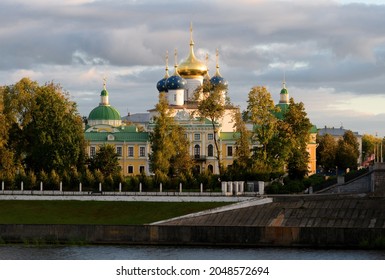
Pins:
<point x="190" y="235"/>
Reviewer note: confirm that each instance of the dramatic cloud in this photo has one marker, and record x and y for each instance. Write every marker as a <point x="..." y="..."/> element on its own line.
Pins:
<point x="332" y="53"/>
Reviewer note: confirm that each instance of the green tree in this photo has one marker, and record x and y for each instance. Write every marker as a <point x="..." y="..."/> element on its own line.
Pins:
<point x="369" y="144"/>
<point x="326" y="152"/>
<point x="211" y="104"/>
<point x="347" y="151"/>
<point x="44" y="129"/>
<point x="106" y="160"/>
<point x="170" y="155"/>
<point x="300" y="126"/>
<point x="242" y="144"/>
<point x="261" y="113"/>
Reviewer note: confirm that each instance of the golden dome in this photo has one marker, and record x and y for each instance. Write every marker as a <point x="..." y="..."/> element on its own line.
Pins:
<point x="192" y="66"/>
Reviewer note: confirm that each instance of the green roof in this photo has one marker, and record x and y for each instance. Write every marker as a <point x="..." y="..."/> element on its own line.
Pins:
<point x="229" y="136"/>
<point x="104" y="112"/>
<point x="284" y="91"/>
<point x="284" y="107"/>
<point x="313" y="129"/>
<point x="117" y="136"/>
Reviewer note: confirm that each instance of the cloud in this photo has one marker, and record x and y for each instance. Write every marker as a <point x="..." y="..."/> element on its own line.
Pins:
<point x="331" y="52"/>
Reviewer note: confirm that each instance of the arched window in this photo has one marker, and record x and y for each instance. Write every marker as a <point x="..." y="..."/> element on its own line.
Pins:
<point x="197" y="151"/>
<point x="210" y="168"/>
<point x="210" y="150"/>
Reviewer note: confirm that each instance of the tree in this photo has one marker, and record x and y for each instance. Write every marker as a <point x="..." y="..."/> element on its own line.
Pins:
<point x="170" y="155"/>
<point x="369" y="144"/>
<point x="326" y="152"/>
<point x="300" y="126"/>
<point x="347" y="151"/>
<point x="242" y="144"/>
<point x="44" y="129"/>
<point x="261" y="113"/>
<point x="211" y="104"/>
<point x="106" y="160"/>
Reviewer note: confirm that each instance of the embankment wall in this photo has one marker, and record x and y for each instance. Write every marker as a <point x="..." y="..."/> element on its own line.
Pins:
<point x="191" y="235"/>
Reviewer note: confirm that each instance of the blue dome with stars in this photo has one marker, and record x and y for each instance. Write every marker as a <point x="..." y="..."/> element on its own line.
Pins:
<point x="161" y="85"/>
<point x="175" y="82"/>
<point x="216" y="80"/>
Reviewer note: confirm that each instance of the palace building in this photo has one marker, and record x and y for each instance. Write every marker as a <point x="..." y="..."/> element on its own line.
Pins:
<point x="132" y="141"/>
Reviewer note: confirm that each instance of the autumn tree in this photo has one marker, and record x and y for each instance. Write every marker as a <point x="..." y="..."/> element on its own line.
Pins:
<point x="211" y="104"/>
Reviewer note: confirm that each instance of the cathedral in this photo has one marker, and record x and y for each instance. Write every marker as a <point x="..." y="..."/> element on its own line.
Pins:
<point x="130" y="134"/>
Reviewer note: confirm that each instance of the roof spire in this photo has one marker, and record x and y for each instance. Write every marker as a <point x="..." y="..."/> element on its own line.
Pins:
<point x="207" y="76"/>
<point x="176" y="63"/>
<point x="284" y="79"/>
<point x="166" y="75"/>
<point x="104" y="82"/>
<point x="217" y="63"/>
<point x="191" y="34"/>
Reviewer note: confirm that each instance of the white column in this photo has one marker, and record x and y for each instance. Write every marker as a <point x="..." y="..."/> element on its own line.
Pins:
<point x="22" y="186"/>
<point x="160" y="187"/>
<point x="224" y="187"/>
<point x="61" y="186"/>
<point x="140" y="187"/>
<point x="2" y="186"/>
<point x="120" y="187"/>
<point x="261" y="187"/>
<point x="180" y="187"/>
<point x="41" y="186"/>
<point x="201" y="187"/>
<point x="80" y="187"/>
<point x="100" y="187"/>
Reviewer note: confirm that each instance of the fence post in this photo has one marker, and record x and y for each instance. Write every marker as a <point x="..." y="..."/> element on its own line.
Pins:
<point x="160" y="187"/>
<point x="201" y="187"/>
<point x="22" y="186"/>
<point x="80" y="187"/>
<point x="41" y="186"/>
<point x="120" y="187"/>
<point x="100" y="187"/>
<point x="61" y="186"/>
<point x="2" y="186"/>
<point x="140" y="187"/>
<point x="180" y="187"/>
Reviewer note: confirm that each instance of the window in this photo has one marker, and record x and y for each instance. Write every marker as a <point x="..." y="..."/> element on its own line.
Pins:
<point x="92" y="151"/>
<point x="197" y="137"/>
<point x="131" y="151"/>
<point x="174" y="97"/>
<point x="130" y="169"/>
<point x="229" y="151"/>
<point x="210" y="168"/>
<point x="142" y="151"/>
<point x="119" y="151"/>
<point x="141" y="169"/>
<point x="210" y="136"/>
<point x="197" y="151"/>
<point x="210" y="151"/>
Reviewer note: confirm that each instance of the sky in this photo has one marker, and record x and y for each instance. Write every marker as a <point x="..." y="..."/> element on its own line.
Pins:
<point x="331" y="53"/>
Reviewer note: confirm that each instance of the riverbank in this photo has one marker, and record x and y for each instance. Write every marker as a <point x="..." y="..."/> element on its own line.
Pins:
<point x="293" y="221"/>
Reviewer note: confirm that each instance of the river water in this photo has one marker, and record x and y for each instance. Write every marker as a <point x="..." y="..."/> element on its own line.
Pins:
<point x="27" y="252"/>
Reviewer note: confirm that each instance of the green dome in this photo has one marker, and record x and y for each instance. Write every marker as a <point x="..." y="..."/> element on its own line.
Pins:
<point x="284" y="91"/>
<point x="104" y="112"/>
<point x="104" y="92"/>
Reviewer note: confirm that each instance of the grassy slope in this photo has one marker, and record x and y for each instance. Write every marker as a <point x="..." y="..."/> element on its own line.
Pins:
<point x="95" y="212"/>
